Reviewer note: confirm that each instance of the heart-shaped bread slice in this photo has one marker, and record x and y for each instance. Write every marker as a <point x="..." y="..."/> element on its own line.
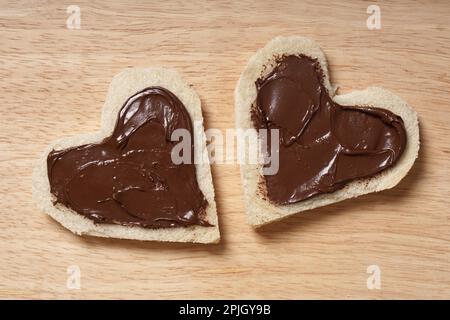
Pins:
<point x="330" y="147"/>
<point x="121" y="182"/>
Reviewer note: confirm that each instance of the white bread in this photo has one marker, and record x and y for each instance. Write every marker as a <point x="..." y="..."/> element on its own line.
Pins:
<point x="123" y="86"/>
<point x="260" y="211"/>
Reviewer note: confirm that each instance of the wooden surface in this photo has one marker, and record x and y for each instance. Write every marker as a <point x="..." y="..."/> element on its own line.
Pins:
<point x="54" y="81"/>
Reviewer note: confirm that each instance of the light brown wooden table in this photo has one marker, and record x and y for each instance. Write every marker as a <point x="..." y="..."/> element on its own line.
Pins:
<point x="53" y="83"/>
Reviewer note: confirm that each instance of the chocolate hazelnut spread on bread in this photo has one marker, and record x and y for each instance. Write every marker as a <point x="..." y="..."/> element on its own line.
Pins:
<point x="129" y="178"/>
<point x="322" y="145"/>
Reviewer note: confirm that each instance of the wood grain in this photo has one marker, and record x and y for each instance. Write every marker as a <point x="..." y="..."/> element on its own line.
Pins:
<point x="54" y="81"/>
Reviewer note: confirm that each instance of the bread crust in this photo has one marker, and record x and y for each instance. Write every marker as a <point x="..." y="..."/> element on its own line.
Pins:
<point x="124" y="85"/>
<point x="260" y="211"/>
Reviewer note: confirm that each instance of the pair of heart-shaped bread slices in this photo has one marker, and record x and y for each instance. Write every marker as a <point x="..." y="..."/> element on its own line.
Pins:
<point x="109" y="183"/>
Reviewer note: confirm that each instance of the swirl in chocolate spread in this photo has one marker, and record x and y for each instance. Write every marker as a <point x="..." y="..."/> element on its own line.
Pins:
<point x="322" y="145"/>
<point x="129" y="178"/>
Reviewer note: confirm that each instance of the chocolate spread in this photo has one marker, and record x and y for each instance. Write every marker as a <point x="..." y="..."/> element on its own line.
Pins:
<point x="129" y="178"/>
<point x="322" y="145"/>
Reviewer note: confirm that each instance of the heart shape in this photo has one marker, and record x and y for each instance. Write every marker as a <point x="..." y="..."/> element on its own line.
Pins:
<point x="103" y="183"/>
<point x="322" y="145"/>
<point x="336" y="146"/>
<point x="129" y="178"/>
